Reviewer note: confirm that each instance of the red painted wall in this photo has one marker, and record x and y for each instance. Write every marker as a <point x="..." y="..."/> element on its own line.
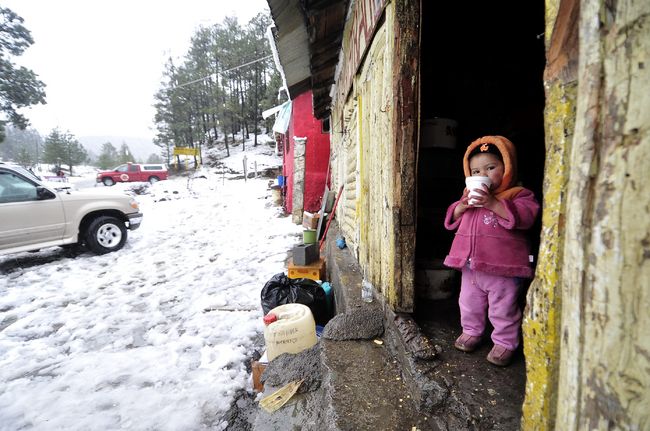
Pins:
<point x="317" y="153"/>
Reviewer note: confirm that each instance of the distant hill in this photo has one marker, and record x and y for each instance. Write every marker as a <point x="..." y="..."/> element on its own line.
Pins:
<point x="141" y="148"/>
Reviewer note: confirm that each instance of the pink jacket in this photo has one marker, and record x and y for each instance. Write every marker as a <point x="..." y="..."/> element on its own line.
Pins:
<point x="492" y="244"/>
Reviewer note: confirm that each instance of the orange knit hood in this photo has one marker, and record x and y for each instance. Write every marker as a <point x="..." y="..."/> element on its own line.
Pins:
<point x="508" y="154"/>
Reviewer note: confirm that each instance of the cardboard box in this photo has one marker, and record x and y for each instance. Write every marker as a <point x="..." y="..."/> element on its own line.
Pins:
<point x="306" y="254"/>
<point x="313" y="271"/>
<point x="310" y="220"/>
<point x="258" y="369"/>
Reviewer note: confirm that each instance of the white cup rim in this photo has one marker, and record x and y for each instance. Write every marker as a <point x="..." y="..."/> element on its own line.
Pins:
<point x="478" y="180"/>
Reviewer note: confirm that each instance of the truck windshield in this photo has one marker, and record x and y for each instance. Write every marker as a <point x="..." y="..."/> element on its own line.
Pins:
<point x="26" y="173"/>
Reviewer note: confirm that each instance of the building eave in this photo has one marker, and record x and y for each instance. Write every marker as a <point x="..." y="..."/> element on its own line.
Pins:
<point x="308" y="37"/>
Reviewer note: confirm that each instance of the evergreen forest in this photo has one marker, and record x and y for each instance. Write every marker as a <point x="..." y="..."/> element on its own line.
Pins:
<point x="215" y="93"/>
<point x="218" y="93"/>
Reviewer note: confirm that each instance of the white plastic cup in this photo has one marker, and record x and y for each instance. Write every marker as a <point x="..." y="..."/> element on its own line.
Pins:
<point x="476" y="183"/>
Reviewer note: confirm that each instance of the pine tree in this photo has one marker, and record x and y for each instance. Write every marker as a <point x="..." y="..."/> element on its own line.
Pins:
<point x="17" y="140"/>
<point x="220" y="89"/>
<point x="19" y="86"/>
<point x="124" y="155"/>
<point x="76" y="154"/>
<point x="154" y="158"/>
<point x="54" y="149"/>
<point x="24" y="158"/>
<point x="108" y="157"/>
<point x="63" y="148"/>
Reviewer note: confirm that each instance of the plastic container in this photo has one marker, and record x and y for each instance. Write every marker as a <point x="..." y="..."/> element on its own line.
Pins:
<point x="328" y="296"/>
<point x="366" y="291"/>
<point x="276" y="195"/>
<point x="289" y="328"/>
<point x="438" y="133"/>
<point x="314" y="271"/>
<point x="309" y="236"/>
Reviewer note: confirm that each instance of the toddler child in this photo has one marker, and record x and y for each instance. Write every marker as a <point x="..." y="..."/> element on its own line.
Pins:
<point x="490" y="247"/>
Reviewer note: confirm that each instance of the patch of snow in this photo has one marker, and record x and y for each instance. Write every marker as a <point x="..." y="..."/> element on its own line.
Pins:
<point x="156" y="335"/>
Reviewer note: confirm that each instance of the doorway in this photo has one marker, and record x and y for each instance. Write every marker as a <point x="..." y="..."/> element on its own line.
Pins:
<point x="481" y="74"/>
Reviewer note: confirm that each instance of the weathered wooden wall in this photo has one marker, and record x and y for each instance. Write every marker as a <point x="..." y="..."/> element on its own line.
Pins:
<point x="361" y="160"/>
<point x="374" y="154"/>
<point x="376" y="188"/>
<point x="586" y="327"/>
<point x="405" y="124"/>
<point x="541" y="324"/>
<point x="605" y="350"/>
<point x="345" y="171"/>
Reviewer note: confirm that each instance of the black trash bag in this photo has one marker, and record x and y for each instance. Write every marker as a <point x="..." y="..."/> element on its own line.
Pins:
<point x="280" y="290"/>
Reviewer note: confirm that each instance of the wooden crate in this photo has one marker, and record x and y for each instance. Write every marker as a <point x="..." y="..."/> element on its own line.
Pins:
<point x="313" y="271"/>
<point x="258" y="369"/>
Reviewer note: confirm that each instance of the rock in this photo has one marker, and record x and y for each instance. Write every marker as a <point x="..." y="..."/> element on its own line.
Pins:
<point x="359" y="324"/>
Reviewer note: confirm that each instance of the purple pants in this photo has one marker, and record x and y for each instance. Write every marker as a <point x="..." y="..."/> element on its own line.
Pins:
<point x="479" y="292"/>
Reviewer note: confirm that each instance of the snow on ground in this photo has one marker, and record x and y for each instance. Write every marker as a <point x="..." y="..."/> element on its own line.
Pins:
<point x="263" y="154"/>
<point x="155" y="336"/>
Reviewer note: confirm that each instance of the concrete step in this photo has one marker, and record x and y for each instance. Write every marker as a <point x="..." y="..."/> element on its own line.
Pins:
<point x="361" y="389"/>
<point x="365" y="389"/>
<point x="454" y="390"/>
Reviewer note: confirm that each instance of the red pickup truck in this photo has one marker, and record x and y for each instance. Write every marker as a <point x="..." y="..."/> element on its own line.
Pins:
<point x="133" y="172"/>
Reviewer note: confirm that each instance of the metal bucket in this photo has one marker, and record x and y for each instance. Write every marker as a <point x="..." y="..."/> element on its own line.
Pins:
<point x="309" y="236"/>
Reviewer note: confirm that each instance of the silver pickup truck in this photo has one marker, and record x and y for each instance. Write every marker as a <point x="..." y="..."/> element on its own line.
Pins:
<point x="34" y="215"/>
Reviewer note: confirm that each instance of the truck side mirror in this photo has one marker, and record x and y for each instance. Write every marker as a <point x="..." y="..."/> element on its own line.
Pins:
<point x="42" y="193"/>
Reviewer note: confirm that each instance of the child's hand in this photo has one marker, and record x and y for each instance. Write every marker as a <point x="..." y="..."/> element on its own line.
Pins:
<point x="462" y="205"/>
<point x="482" y="197"/>
<point x="464" y="200"/>
<point x="488" y="201"/>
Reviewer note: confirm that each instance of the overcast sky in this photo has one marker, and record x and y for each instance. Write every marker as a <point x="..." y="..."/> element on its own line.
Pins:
<point x="102" y="61"/>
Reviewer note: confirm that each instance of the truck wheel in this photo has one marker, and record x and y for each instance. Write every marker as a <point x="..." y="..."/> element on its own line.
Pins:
<point x="108" y="181"/>
<point x="105" y="234"/>
<point x="153" y="180"/>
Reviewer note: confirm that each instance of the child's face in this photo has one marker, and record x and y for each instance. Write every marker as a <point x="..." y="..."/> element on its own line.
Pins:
<point x="487" y="165"/>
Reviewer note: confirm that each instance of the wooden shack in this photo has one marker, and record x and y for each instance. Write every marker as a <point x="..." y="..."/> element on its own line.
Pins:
<point x="568" y="83"/>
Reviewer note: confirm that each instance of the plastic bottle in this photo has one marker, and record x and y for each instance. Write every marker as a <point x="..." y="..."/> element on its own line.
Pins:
<point x="289" y="328"/>
<point x="328" y="295"/>
<point x="366" y="291"/>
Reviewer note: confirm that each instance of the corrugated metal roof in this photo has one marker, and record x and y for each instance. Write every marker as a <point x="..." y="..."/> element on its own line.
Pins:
<point x="308" y="37"/>
<point x="284" y="116"/>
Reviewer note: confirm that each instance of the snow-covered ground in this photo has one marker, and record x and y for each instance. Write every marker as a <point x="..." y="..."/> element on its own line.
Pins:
<point x="157" y="335"/>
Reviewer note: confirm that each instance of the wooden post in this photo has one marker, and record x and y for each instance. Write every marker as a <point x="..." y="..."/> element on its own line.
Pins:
<point x="244" y="160"/>
<point x="329" y="220"/>
<point x="406" y="91"/>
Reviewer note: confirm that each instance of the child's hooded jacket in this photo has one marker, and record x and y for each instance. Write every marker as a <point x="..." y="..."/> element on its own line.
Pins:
<point x="490" y="243"/>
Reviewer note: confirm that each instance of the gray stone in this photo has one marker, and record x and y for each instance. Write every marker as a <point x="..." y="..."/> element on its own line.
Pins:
<point x="289" y="367"/>
<point x="357" y="324"/>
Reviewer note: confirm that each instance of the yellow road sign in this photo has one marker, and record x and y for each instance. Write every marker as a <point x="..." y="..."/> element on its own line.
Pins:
<point x="186" y="151"/>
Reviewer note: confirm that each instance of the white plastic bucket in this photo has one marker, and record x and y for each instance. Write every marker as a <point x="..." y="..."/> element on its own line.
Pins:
<point x="292" y="331"/>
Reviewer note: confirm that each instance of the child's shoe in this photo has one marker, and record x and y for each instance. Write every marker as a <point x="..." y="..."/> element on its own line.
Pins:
<point x="467" y="343"/>
<point x="500" y="356"/>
